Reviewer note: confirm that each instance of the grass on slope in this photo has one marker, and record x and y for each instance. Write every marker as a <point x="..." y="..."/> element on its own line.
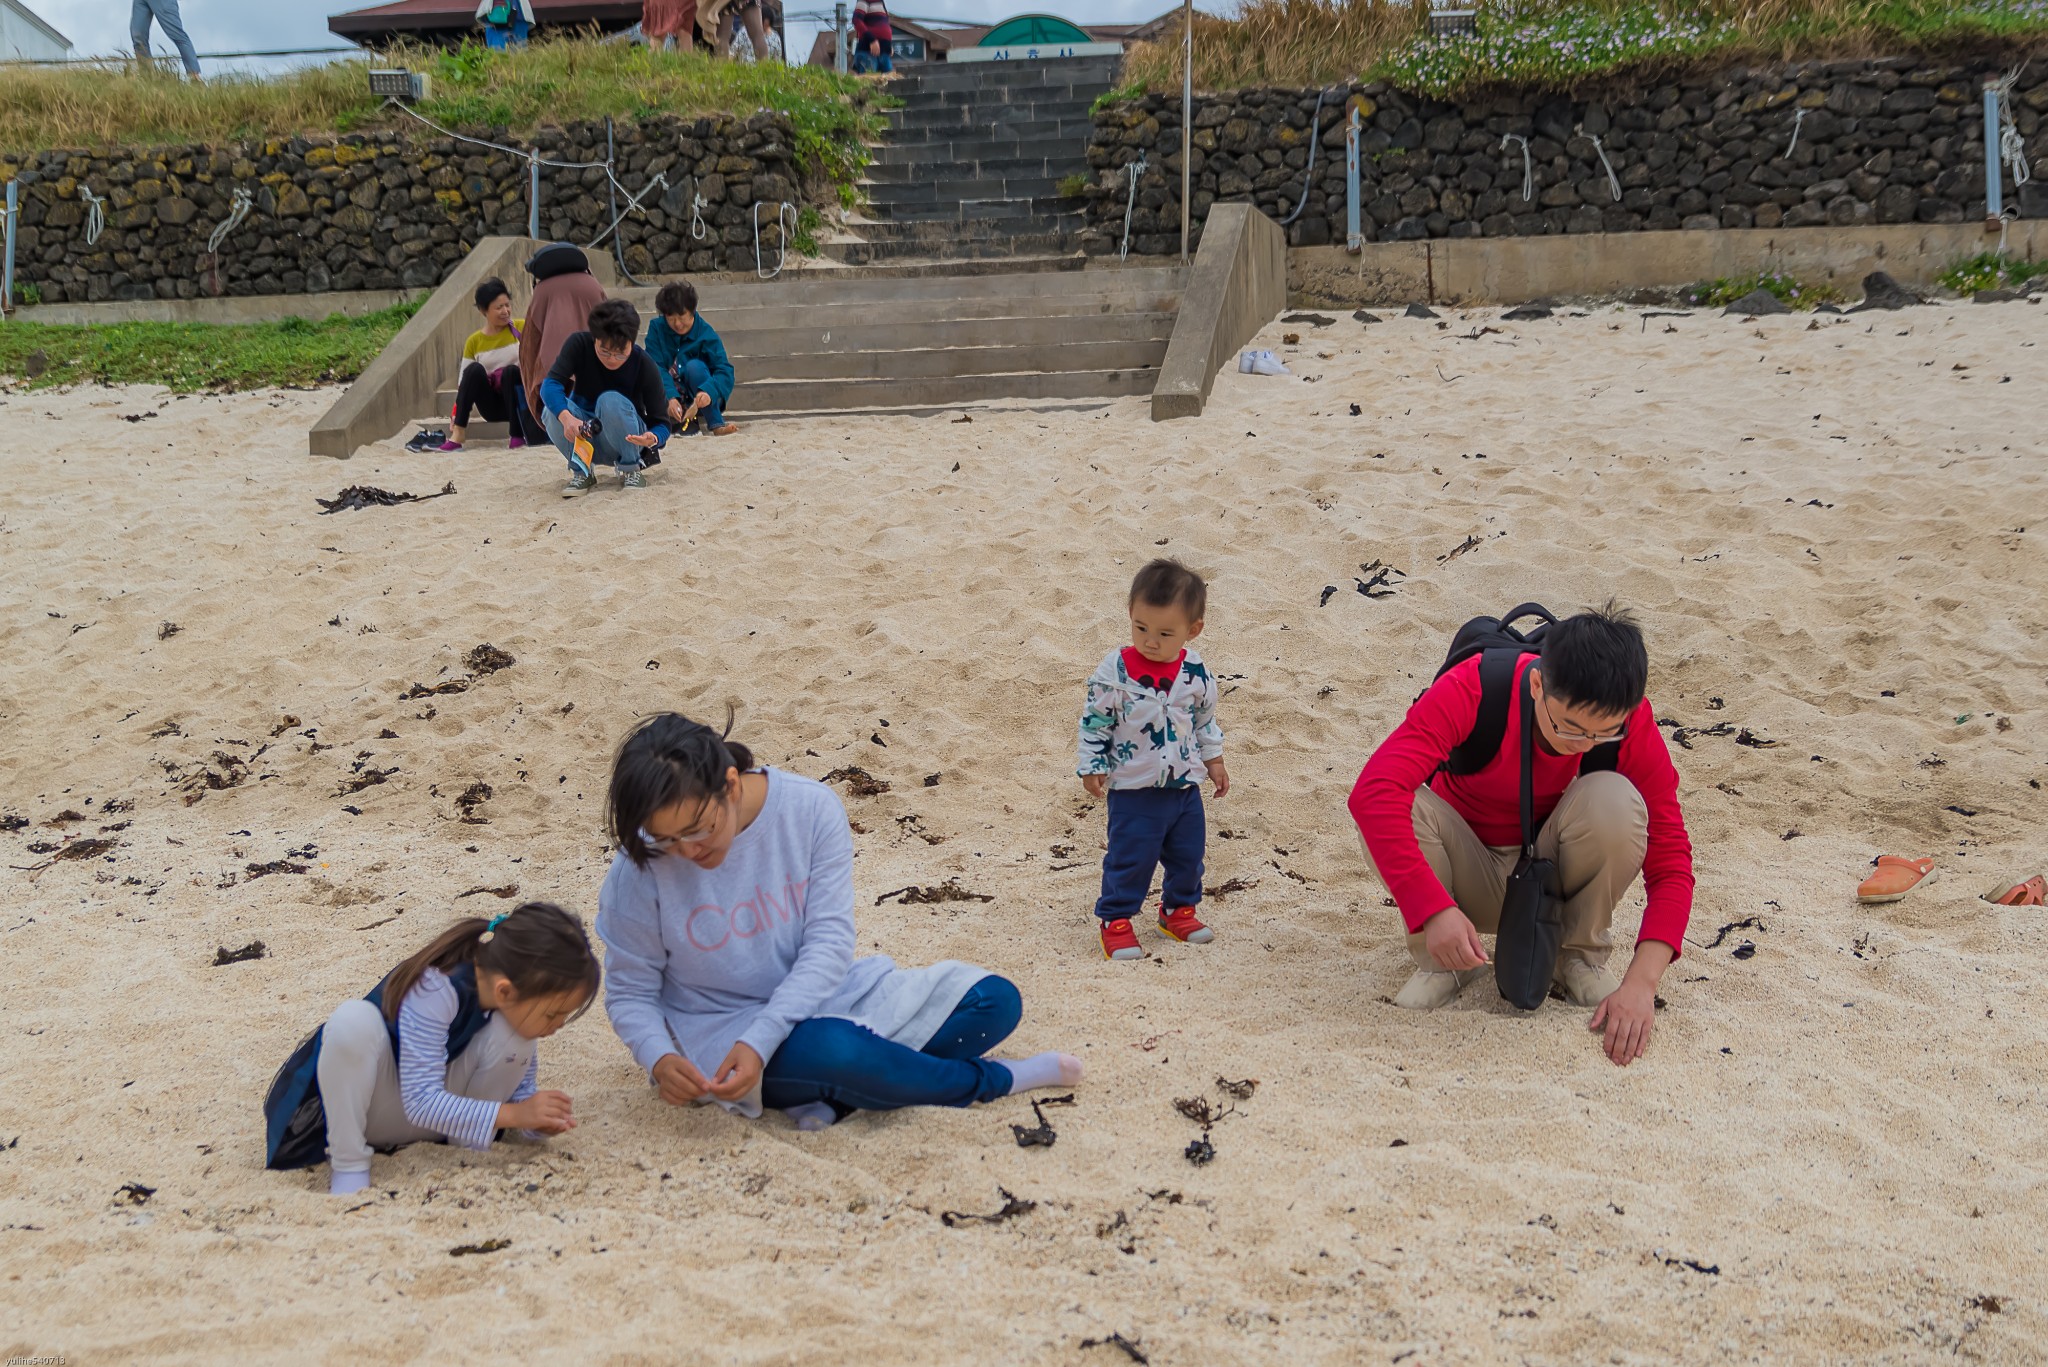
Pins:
<point x="1302" y="43"/>
<point x="193" y="357"/>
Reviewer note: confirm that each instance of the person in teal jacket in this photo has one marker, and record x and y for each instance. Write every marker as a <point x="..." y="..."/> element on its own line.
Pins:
<point x="694" y="368"/>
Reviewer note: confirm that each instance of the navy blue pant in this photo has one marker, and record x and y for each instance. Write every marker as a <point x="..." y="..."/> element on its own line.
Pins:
<point x="1149" y="827"/>
<point x="855" y="1069"/>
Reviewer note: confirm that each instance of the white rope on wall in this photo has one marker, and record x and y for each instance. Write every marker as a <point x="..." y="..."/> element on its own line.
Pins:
<point x="95" y="213"/>
<point x="1528" y="168"/>
<point x="1798" y="117"/>
<point x="238" y="210"/>
<point x="785" y="216"/>
<point x="1136" y="169"/>
<point x="1612" y="183"/>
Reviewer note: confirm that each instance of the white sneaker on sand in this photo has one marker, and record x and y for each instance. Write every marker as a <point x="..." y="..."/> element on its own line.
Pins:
<point x="1262" y="363"/>
<point x="1430" y="988"/>
<point x="1584" y="984"/>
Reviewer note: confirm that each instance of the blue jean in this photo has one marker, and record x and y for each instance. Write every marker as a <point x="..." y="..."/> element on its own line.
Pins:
<point x="617" y="419"/>
<point x="165" y="12"/>
<point x="869" y="61"/>
<point x="697" y="380"/>
<point x="495" y="35"/>
<point x="1149" y="827"/>
<point x="854" y="1069"/>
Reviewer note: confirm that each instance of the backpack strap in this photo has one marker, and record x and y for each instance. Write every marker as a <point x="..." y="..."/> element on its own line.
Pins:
<point x="1601" y="759"/>
<point x="1496" y="689"/>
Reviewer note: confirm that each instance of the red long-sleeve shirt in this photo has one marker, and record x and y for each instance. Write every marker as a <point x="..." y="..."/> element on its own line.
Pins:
<point x="1383" y="801"/>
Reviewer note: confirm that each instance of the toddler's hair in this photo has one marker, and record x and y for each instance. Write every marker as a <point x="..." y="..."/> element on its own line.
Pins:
<point x="1170" y="584"/>
<point x="488" y="293"/>
<point x="679" y="297"/>
<point x="665" y="760"/>
<point x="614" y="322"/>
<point x="538" y="947"/>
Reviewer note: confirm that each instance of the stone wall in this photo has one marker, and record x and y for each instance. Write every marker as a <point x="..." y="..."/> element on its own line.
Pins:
<point x="1885" y="141"/>
<point x="382" y="211"/>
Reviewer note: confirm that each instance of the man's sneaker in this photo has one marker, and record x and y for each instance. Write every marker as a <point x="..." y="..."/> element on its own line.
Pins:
<point x="579" y="484"/>
<point x="1119" y="941"/>
<point x="1182" y="925"/>
<point x="1584" y="984"/>
<point x="1433" y="987"/>
<point x="635" y="478"/>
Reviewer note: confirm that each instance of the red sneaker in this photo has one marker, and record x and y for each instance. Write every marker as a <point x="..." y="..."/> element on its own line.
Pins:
<point x="1182" y="925"/>
<point x="1119" y="941"/>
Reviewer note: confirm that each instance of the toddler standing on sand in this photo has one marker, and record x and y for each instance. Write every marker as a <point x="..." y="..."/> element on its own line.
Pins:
<point x="444" y="1048"/>
<point x="1147" y="734"/>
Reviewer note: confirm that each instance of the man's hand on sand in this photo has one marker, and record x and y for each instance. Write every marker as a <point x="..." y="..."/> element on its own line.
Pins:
<point x="1624" y="1021"/>
<point x="1452" y="941"/>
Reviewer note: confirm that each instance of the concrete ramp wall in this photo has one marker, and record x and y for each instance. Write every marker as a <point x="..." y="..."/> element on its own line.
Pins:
<point x="403" y="382"/>
<point x="1236" y="286"/>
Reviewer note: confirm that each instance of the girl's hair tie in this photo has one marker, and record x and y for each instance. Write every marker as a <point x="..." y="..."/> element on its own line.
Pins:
<point x="492" y="928"/>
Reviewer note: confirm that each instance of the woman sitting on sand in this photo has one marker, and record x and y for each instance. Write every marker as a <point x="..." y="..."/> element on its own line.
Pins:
<point x="728" y="921"/>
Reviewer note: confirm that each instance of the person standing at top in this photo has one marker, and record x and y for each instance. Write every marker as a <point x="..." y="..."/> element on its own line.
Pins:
<point x="1443" y="829"/>
<point x="506" y="22"/>
<point x="667" y="21"/>
<point x="872" y="38"/>
<point x="165" y="12"/>
<point x="695" y="372"/>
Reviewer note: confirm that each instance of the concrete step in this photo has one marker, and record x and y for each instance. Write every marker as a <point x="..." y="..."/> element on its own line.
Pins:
<point x="1084" y="93"/>
<point x="996" y="114"/>
<point x="937" y="327"/>
<point x="951" y="190"/>
<point x="943" y="362"/>
<point x="1053" y="168"/>
<point x="1046" y="212"/>
<point x="1006" y="75"/>
<point x="982" y="151"/>
<point x="1085" y="304"/>
<point x="778" y="396"/>
<point x="1065" y="132"/>
<point x="959" y="248"/>
<point x="972" y="288"/>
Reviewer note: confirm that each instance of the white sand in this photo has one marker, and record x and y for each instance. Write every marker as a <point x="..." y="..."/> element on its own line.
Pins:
<point x="1847" y="1125"/>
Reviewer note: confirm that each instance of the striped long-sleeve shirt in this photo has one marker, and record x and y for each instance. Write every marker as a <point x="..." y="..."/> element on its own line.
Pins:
<point x="424" y="1018"/>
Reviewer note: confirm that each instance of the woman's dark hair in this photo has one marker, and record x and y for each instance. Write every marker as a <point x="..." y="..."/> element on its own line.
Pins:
<point x="665" y="760"/>
<point x="539" y="948"/>
<point x="1597" y="660"/>
<point x="680" y="297"/>
<point x="489" y="293"/>
<point x="614" y="322"/>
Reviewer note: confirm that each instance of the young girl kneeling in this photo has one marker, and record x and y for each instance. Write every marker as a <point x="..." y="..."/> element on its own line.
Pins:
<point x="443" y="1048"/>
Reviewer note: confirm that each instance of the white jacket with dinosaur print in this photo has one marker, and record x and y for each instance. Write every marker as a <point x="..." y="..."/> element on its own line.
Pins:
<point x="1142" y="738"/>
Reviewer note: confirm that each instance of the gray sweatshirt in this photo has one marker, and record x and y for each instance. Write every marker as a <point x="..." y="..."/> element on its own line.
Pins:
<point x="700" y="959"/>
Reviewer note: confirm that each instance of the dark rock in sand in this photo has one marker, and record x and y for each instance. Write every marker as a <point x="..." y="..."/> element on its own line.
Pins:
<point x="1527" y="313"/>
<point x="1997" y="296"/>
<point x="1312" y="319"/>
<point x="1880" y="291"/>
<point x="1363" y="317"/>
<point x="1418" y="311"/>
<point x="1756" y="303"/>
<point x="1825" y="308"/>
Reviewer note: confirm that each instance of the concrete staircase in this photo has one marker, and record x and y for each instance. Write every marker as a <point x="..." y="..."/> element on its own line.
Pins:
<point x="811" y="345"/>
<point x="972" y="162"/>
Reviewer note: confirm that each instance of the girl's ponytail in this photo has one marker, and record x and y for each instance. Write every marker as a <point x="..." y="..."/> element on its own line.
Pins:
<point x="667" y="759"/>
<point x="538" y="947"/>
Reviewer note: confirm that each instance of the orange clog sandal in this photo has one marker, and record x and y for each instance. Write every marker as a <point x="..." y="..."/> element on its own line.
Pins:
<point x="1895" y="877"/>
<point x="2032" y="893"/>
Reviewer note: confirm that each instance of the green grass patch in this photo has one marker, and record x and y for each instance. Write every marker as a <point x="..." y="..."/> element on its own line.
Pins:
<point x="1555" y="43"/>
<point x="1129" y="91"/>
<point x="194" y="357"/>
<point x="1790" y="290"/>
<point x="27" y="293"/>
<point x="1990" y="271"/>
<point x="472" y="88"/>
<point x="805" y="238"/>
<point x="1074" y="186"/>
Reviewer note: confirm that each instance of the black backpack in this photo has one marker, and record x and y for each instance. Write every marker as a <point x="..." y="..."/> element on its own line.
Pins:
<point x="1501" y="648"/>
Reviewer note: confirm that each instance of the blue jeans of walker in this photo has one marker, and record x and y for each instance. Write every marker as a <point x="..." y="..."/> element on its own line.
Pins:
<point x="617" y="419"/>
<point x="495" y="35"/>
<point x="696" y="375"/>
<point x="1149" y="827"/>
<point x="165" y="12"/>
<point x="854" y="1069"/>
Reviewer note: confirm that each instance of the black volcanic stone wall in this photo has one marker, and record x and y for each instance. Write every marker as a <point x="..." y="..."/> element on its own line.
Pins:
<point x="378" y="211"/>
<point x="1882" y="141"/>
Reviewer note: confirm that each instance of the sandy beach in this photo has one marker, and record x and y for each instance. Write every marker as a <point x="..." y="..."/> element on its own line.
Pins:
<point x="1833" y="529"/>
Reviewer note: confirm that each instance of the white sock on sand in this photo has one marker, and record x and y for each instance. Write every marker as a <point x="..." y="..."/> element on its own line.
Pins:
<point x="348" y="1183"/>
<point x="812" y="1115"/>
<point x="1042" y="1070"/>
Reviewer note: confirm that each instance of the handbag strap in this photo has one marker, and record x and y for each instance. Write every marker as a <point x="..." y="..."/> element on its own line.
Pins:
<point x="1528" y="770"/>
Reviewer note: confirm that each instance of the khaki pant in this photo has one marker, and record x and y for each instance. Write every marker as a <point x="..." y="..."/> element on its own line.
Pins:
<point x="1597" y="835"/>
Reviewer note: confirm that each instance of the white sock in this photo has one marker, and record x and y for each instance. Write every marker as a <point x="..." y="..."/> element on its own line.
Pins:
<point x="812" y="1115"/>
<point x="348" y="1183"/>
<point x="1042" y="1070"/>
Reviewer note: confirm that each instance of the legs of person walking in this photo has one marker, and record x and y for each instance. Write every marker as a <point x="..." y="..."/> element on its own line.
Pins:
<point x="1137" y="837"/>
<point x="167" y="18"/>
<point x="1186" y="840"/>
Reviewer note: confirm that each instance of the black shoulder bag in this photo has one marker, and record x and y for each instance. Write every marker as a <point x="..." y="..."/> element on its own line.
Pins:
<point x="1532" y="910"/>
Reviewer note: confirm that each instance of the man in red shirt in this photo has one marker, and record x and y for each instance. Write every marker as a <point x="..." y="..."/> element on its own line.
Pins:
<point x="1444" y="843"/>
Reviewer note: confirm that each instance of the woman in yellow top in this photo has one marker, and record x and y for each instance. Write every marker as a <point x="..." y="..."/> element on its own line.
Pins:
<point x="490" y="381"/>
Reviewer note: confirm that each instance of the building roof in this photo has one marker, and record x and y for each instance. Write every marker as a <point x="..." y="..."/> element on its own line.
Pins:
<point x="415" y="17"/>
<point x="25" y="12"/>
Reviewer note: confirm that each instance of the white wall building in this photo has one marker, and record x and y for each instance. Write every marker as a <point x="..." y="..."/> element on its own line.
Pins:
<point x="25" y="36"/>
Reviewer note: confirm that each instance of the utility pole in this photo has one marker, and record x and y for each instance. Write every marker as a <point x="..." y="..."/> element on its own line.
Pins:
<point x="839" y="36"/>
<point x="1187" y="125"/>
